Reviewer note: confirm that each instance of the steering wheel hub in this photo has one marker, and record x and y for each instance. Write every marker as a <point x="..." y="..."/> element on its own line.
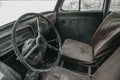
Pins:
<point x="37" y="56"/>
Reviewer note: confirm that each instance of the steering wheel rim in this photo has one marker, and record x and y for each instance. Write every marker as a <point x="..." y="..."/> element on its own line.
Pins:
<point x="17" y="52"/>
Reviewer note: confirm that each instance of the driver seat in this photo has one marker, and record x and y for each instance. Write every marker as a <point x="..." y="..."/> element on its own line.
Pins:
<point x="105" y="41"/>
<point x="110" y="70"/>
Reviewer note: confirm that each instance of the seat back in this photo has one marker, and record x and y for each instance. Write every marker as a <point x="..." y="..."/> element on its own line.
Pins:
<point x="110" y="70"/>
<point x="107" y="37"/>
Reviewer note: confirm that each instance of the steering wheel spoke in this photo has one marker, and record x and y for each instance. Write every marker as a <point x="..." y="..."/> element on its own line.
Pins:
<point x="53" y="40"/>
<point x="30" y="52"/>
<point x="52" y="47"/>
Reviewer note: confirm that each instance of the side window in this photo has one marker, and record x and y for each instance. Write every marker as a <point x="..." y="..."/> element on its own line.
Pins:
<point x="91" y="5"/>
<point x="83" y="5"/>
<point x="115" y="5"/>
<point x="70" y="5"/>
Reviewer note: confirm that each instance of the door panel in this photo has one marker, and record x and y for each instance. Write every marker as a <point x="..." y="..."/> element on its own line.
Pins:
<point x="78" y="25"/>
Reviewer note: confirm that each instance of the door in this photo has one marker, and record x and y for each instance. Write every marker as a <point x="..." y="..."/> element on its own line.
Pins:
<point x="79" y="19"/>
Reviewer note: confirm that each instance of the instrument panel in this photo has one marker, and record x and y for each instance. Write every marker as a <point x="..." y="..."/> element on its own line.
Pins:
<point x="22" y="34"/>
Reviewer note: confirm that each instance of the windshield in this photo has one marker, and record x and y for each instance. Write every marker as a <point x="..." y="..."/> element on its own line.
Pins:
<point x="11" y="10"/>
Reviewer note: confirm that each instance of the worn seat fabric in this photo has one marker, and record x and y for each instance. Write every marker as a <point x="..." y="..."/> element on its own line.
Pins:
<point x="110" y="70"/>
<point x="105" y="41"/>
<point x="59" y="73"/>
<point x="77" y="51"/>
<point x="7" y="73"/>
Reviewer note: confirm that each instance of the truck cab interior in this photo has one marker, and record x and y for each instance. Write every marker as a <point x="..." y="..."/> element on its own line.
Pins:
<point x="79" y="40"/>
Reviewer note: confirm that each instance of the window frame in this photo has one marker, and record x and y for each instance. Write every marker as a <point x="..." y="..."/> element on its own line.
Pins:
<point x="79" y="10"/>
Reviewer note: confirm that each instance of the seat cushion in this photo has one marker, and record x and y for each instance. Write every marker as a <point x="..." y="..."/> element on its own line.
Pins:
<point x="77" y="51"/>
<point x="59" y="73"/>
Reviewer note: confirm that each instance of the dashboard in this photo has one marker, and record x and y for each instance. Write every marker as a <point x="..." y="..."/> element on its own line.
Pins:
<point x="25" y="31"/>
<point x="22" y="34"/>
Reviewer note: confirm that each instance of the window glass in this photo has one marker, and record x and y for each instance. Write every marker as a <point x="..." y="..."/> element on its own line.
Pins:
<point x="115" y="5"/>
<point x="82" y="5"/>
<point x="91" y="5"/>
<point x="70" y="5"/>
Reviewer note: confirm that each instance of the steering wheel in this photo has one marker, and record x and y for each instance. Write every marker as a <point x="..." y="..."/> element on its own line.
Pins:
<point x="22" y="58"/>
